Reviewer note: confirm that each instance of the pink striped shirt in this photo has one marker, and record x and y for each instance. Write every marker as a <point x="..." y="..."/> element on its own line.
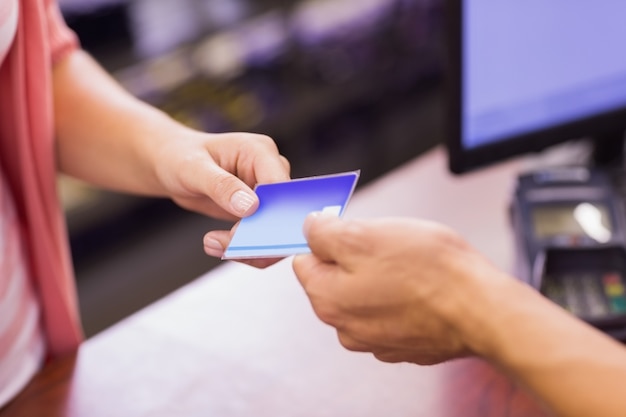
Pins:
<point x="35" y="269"/>
<point x="27" y="156"/>
<point x="21" y="337"/>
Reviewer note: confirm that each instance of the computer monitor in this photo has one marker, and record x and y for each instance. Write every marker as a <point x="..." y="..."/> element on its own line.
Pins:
<point x="525" y="75"/>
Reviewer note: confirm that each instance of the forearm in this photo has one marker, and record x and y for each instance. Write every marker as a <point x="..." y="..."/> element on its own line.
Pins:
<point x="573" y="368"/>
<point x="104" y="135"/>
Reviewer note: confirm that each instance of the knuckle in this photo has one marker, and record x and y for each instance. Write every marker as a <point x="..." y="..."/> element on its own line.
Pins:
<point x="387" y="357"/>
<point x="285" y="163"/>
<point x="354" y="236"/>
<point x="265" y="140"/>
<point x="349" y="343"/>
<point x="327" y="314"/>
<point x="262" y="141"/>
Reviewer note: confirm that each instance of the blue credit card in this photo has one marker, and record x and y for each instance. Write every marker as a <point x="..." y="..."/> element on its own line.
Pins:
<point x="275" y="229"/>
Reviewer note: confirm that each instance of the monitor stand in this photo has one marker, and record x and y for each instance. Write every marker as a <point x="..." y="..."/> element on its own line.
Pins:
<point x="608" y="154"/>
<point x="608" y="150"/>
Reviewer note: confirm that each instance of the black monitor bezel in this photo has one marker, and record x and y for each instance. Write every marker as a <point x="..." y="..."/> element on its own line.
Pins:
<point x="462" y="160"/>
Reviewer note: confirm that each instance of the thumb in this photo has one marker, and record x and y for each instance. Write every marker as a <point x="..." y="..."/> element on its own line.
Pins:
<point x="230" y="193"/>
<point x="323" y="232"/>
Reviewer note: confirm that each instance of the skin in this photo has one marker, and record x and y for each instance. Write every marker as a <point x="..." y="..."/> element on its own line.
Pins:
<point x="434" y="298"/>
<point x="109" y="138"/>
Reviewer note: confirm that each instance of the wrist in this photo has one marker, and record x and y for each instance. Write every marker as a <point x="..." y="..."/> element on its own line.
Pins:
<point x="478" y="310"/>
<point x="505" y="320"/>
<point x="155" y="138"/>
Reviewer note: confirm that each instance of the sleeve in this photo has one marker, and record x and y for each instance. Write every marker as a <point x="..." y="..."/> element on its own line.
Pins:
<point x="62" y="39"/>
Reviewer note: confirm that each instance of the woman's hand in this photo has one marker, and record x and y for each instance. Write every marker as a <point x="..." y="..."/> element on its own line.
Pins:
<point x="214" y="174"/>
<point x="109" y="138"/>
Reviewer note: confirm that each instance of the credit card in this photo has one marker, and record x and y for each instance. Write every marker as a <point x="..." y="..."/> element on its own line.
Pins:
<point x="275" y="229"/>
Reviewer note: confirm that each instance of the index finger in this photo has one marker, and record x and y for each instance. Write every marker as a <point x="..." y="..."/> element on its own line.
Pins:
<point x="270" y="168"/>
<point x="268" y="165"/>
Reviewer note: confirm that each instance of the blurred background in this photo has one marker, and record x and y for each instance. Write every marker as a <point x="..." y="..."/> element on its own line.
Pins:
<point x="339" y="84"/>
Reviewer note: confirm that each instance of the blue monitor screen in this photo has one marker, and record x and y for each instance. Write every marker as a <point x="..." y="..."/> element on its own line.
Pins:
<point x="533" y="65"/>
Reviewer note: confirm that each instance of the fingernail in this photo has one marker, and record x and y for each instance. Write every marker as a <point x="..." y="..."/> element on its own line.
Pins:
<point x="241" y="202"/>
<point x="213" y="248"/>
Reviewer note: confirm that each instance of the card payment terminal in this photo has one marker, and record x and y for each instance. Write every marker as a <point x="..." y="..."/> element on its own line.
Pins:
<point x="570" y="232"/>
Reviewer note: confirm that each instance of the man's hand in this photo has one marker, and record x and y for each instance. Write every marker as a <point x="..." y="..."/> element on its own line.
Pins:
<point x="393" y="287"/>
